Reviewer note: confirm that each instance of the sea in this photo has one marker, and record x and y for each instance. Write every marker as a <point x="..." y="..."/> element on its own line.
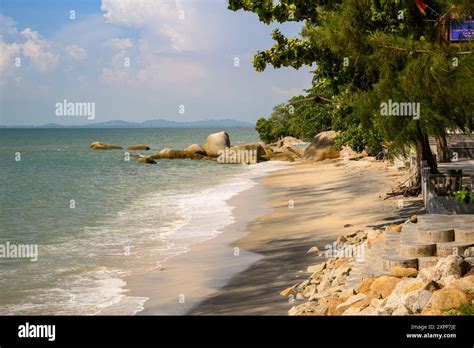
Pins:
<point x="96" y="217"/>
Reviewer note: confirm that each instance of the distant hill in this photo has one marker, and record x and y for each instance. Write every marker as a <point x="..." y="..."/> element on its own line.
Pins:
<point x="225" y="123"/>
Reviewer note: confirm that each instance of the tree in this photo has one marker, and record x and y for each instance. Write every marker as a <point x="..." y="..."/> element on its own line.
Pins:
<point x="375" y="51"/>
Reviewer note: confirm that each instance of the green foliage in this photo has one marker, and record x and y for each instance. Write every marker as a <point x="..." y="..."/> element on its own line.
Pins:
<point x="359" y="139"/>
<point x="466" y="309"/>
<point x="391" y="51"/>
<point x="301" y="117"/>
<point x="464" y="195"/>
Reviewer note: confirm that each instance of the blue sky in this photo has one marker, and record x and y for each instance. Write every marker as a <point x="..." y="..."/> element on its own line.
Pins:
<point x="137" y="60"/>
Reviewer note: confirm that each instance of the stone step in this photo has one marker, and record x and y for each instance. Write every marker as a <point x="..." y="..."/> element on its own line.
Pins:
<point x="435" y="235"/>
<point x="464" y="235"/>
<point x="417" y="249"/>
<point x="401" y="261"/>
<point x="452" y="248"/>
<point x="427" y="262"/>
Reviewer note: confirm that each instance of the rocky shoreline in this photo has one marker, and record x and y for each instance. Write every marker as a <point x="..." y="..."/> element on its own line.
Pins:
<point x="447" y="288"/>
<point x="217" y="146"/>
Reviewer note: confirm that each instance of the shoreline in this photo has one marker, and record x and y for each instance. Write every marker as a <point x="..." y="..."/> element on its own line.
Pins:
<point x="269" y="235"/>
<point x="187" y="279"/>
<point x="284" y="235"/>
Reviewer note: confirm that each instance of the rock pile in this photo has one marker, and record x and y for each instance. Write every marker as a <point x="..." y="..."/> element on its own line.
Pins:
<point x="447" y="287"/>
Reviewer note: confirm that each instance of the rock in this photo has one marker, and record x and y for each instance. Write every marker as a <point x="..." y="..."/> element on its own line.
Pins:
<point x="147" y="160"/>
<point x="345" y="294"/>
<point x="444" y="300"/>
<point x="364" y="286"/>
<point x="97" y="145"/>
<point x="331" y="302"/>
<point x="394" y="228"/>
<point x="450" y="265"/>
<point x="422" y="301"/>
<point x="341" y="239"/>
<point x="313" y="250"/>
<point x="348" y="225"/>
<point x="469" y="252"/>
<point x="319" y="295"/>
<point x="176" y="154"/>
<point x="380" y="239"/>
<point x="384" y="285"/>
<point x="432" y="286"/>
<point x="401" y="310"/>
<point x="286" y="156"/>
<point x="321" y="148"/>
<point x="216" y="142"/>
<point x="309" y="291"/>
<point x="288" y="291"/>
<point x="371" y="234"/>
<point x="402" y="272"/>
<point x="341" y="262"/>
<point x="350" y="301"/>
<point x="414" y="219"/>
<point x="406" y="293"/>
<point x="316" y="268"/>
<point x="470" y="272"/>
<point x="465" y="284"/>
<point x="138" y="147"/>
<point x="288" y="141"/>
<point x="245" y="153"/>
<point x="196" y="148"/>
<point x="429" y="274"/>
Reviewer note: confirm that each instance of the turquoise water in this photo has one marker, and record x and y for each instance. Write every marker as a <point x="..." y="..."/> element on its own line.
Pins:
<point x="97" y="218"/>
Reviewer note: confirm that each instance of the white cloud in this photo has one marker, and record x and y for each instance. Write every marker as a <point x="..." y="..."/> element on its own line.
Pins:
<point x="184" y="26"/>
<point x="38" y="51"/>
<point x="119" y="43"/>
<point x="75" y="52"/>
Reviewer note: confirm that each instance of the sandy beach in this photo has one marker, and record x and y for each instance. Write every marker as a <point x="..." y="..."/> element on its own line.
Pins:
<point x="243" y="270"/>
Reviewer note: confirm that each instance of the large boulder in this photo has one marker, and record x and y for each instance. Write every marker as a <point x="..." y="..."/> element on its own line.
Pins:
<point x="291" y="144"/>
<point x="172" y="154"/>
<point x="245" y="153"/>
<point x="445" y="300"/>
<point x="322" y="148"/>
<point x="216" y="142"/>
<point x="384" y="285"/>
<point x="138" y="147"/>
<point x="288" y="142"/>
<point x="196" y="148"/>
<point x="97" y="145"/>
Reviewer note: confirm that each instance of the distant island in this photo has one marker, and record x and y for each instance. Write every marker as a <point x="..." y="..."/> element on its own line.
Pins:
<point x="150" y="124"/>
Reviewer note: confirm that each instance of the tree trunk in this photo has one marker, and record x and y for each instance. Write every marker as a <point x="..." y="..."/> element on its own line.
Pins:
<point x="444" y="154"/>
<point x="423" y="153"/>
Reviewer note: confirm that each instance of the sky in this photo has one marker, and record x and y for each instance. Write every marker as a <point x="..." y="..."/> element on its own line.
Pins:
<point x="137" y="60"/>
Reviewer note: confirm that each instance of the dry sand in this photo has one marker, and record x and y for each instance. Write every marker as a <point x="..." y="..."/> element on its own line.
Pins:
<point x="290" y="211"/>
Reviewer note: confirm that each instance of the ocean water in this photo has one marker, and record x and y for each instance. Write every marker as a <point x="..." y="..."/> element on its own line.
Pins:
<point x="97" y="218"/>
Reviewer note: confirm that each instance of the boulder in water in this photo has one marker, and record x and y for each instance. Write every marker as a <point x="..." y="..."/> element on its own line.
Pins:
<point x="196" y="148"/>
<point x="138" y="147"/>
<point x="216" y="142"/>
<point x="97" y="145"/>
